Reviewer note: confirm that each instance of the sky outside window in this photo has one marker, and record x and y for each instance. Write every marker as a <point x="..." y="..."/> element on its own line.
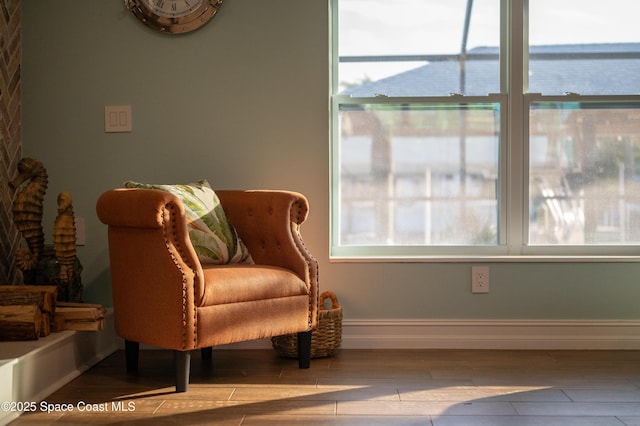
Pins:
<point x="423" y="27"/>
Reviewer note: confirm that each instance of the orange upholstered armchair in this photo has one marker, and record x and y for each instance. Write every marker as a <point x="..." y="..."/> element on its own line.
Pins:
<point x="163" y="295"/>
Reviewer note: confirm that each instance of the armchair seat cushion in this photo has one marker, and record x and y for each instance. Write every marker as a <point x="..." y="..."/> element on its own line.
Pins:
<point x="235" y="283"/>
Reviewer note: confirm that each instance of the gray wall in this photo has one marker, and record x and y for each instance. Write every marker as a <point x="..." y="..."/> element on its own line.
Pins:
<point x="243" y="103"/>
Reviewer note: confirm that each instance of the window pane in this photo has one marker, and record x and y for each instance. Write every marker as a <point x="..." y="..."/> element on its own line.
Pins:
<point x="413" y="47"/>
<point x="584" y="173"/>
<point x="419" y="174"/>
<point x="585" y="47"/>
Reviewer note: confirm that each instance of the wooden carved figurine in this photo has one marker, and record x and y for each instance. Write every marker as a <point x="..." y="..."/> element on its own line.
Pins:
<point x="40" y="264"/>
<point x="27" y="210"/>
<point x="64" y="238"/>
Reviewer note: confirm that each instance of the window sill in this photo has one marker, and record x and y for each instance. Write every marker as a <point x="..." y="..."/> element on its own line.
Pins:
<point x="484" y="259"/>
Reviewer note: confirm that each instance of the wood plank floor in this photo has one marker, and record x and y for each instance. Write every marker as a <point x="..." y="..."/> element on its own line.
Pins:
<point x="359" y="387"/>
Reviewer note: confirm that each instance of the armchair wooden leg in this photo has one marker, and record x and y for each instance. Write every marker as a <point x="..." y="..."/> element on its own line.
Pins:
<point x="304" y="349"/>
<point x="131" y="351"/>
<point x="183" y="366"/>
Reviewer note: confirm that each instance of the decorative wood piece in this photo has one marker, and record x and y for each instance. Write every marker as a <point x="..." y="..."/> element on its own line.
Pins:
<point x="52" y="315"/>
<point x="58" y="324"/>
<point x="40" y="264"/>
<point x="78" y="313"/>
<point x="79" y="305"/>
<point x="20" y="322"/>
<point x="64" y="238"/>
<point x="22" y="298"/>
<point x="27" y="209"/>
<point x="42" y="296"/>
<point x="45" y="325"/>
<point x="48" y="273"/>
<point x="85" y="325"/>
<point x="81" y="316"/>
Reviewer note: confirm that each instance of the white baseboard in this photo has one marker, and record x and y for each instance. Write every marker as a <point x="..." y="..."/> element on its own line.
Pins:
<point x="491" y="334"/>
<point x="483" y="334"/>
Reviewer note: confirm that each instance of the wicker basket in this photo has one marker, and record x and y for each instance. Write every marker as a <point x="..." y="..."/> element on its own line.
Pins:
<point x="325" y="340"/>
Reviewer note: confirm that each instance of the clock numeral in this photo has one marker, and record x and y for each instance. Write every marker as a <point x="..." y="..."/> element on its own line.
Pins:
<point x="174" y="16"/>
<point x="174" y="6"/>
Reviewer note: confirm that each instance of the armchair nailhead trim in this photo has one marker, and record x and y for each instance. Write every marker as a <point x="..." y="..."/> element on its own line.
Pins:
<point x="170" y="211"/>
<point x="297" y="215"/>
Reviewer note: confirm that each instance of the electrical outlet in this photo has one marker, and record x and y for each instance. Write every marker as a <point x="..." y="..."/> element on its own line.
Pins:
<point x="480" y="279"/>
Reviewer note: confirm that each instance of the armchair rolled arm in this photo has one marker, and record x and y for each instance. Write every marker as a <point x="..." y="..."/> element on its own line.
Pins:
<point x="268" y="222"/>
<point x="149" y="243"/>
<point x="133" y="208"/>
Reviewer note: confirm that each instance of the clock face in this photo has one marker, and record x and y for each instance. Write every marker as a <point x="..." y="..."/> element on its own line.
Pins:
<point x="173" y="8"/>
<point x="174" y="16"/>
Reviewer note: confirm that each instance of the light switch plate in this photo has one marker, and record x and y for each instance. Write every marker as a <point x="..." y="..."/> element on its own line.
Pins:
<point x="117" y="118"/>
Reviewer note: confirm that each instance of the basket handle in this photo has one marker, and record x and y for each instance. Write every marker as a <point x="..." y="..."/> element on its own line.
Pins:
<point x="329" y="295"/>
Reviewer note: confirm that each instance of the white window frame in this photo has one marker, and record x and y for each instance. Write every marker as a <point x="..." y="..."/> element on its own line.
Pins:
<point x="513" y="162"/>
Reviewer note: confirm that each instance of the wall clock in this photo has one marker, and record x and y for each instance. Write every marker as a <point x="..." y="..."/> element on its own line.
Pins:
<point x="174" y="16"/>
